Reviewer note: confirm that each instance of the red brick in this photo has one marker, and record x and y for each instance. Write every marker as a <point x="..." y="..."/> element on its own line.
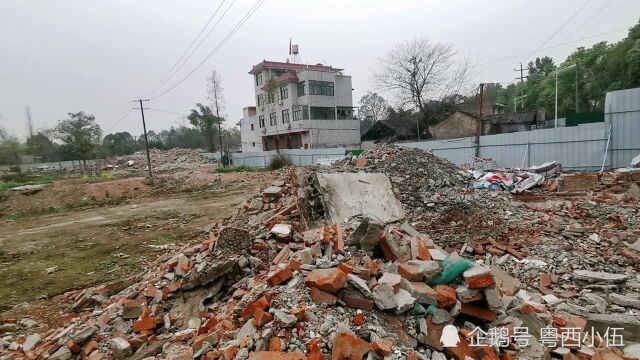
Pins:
<point x="410" y="272"/>
<point x="299" y="313"/>
<point x="75" y="348"/>
<point x="423" y="250"/>
<point x="446" y="296"/>
<point x="357" y="301"/>
<point x="294" y="264"/>
<point x="346" y="267"/>
<point x="229" y="352"/>
<point x="478" y="277"/>
<point x="361" y="162"/>
<point x="347" y="346"/>
<point x="89" y="347"/>
<point x="358" y="320"/>
<point x="321" y="297"/>
<point x="261" y="317"/>
<point x="279" y="276"/>
<point x="275" y="344"/>
<point x="147" y="323"/>
<point x="262" y="303"/>
<point x="478" y="312"/>
<point x="338" y="243"/>
<point x="150" y="292"/>
<point x="276" y="355"/>
<point x="315" y="353"/>
<point x="329" y="280"/>
<point x="382" y="347"/>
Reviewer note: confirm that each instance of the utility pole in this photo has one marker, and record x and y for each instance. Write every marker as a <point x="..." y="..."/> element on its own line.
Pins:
<point x="479" y="123"/>
<point x="522" y="96"/>
<point x="146" y="141"/>
<point x="576" y="87"/>
<point x="215" y="97"/>
<point x="29" y="121"/>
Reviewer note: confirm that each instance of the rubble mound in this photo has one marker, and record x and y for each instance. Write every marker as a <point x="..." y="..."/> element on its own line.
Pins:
<point x="162" y="161"/>
<point x="420" y="178"/>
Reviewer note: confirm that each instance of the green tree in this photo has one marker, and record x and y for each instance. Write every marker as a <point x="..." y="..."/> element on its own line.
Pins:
<point x="10" y="149"/>
<point x="120" y="143"/>
<point x="40" y="145"/>
<point x="80" y="136"/>
<point x="204" y="119"/>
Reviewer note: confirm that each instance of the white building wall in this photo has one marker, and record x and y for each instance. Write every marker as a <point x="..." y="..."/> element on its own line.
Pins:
<point x="318" y="133"/>
<point x="250" y="137"/>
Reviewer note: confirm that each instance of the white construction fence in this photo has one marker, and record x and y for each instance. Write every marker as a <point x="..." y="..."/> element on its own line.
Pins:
<point x="298" y="157"/>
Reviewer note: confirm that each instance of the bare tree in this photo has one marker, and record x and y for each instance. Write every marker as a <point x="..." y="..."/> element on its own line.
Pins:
<point x="373" y="107"/>
<point x="214" y="93"/>
<point x="421" y="74"/>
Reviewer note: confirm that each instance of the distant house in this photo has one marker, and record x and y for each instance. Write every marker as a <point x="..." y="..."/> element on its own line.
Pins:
<point x="464" y="123"/>
<point x="391" y="130"/>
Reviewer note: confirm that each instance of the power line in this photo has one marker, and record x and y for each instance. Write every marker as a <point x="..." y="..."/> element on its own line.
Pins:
<point x="177" y="66"/>
<point x="108" y="109"/>
<point x="167" y="112"/>
<point x="593" y="15"/>
<point x="546" y="48"/>
<point x="119" y="120"/>
<point x="563" y="25"/>
<point x="251" y="11"/>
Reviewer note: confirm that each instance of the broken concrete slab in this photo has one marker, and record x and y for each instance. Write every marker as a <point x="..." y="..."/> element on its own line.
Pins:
<point x="383" y="296"/>
<point x="351" y="194"/>
<point x="587" y="276"/>
<point x="626" y="301"/>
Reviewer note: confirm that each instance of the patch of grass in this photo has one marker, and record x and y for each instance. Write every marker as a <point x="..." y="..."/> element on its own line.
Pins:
<point x="221" y="170"/>
<point x="10" y="184"/>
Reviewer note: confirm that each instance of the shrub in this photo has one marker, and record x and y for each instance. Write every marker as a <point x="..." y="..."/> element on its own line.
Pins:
<point x="279" y="162"/>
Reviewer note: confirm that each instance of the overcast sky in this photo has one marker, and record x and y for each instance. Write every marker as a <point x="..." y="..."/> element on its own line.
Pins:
<point x="60" y="56"/>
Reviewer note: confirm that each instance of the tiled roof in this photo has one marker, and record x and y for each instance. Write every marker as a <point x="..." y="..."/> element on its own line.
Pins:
<point x="511" y="118"/>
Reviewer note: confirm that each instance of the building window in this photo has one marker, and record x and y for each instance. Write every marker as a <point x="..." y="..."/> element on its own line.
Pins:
<point x="261" y="121"/>
<point x="300" y="113"/>
<point x="260" y="100"/>
<point x="253" y="144"/>
<point x="251" y="127"/>
<point x="323" y="113"/>
<point x="301" y="88"/>
<point x="273" y="119"/>
<point x="271" y="97"/>
<point x="320" y="88"/>
<point x="345" y="113"/>
<point x="297" y="113"/>
<point x="258" y="79"/>
<point x="284" y="92"/>
<point x="285" y="116"/>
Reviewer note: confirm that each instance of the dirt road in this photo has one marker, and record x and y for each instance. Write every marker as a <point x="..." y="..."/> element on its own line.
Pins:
<point x="81" y="247"/>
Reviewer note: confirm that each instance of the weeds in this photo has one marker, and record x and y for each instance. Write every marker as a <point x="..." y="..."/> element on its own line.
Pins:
<point x="10" y="184"/>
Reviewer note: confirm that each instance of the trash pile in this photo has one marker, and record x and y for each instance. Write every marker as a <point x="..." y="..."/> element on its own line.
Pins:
<point x="516" y="180"/>
<point x="162" y="161"/>
<point x="329" y="265"/>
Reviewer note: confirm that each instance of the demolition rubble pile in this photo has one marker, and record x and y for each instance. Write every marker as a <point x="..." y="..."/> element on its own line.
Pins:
<point x="296" y="274"/>
<point x="162" y="161"/>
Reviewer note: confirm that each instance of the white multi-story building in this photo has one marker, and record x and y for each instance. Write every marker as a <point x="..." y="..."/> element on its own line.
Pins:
<point x="299" y="107"/>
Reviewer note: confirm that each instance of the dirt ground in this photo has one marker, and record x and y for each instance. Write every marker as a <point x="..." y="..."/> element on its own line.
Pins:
<point x="94" y="241"/>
